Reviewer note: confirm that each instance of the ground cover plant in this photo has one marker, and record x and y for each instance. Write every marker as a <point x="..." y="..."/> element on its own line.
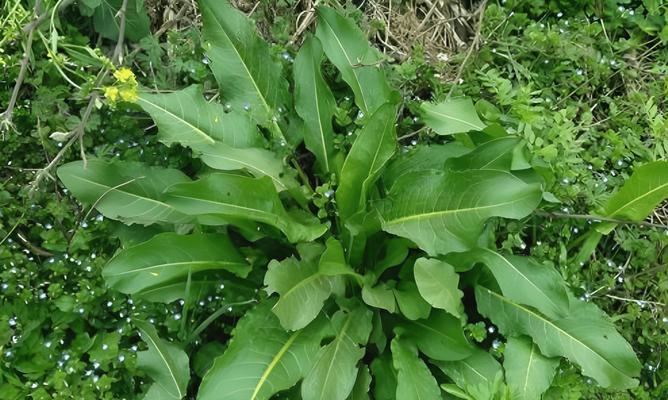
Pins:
<point x="357" y="261"/>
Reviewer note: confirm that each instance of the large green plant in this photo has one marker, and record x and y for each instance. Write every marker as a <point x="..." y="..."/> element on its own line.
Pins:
<point x="368" y="284"/>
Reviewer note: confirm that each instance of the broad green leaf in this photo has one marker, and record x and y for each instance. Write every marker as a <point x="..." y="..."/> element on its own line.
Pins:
<point x="394" y="252"/>
<point x="414" y="380"/>
<point x="335" y="369"/>
<point x="494" y="154"/>
<point x="384" y="377"/>
<point x="156" y="392"/>
<point x="241" y="62"/>
<point x="302" y="290"/>
<point x="421" y="158"/>
<point x="373" y="147"/>
<point x="107" y="22"/>
<point x="438" y="284"/>
<point x="479" y="374"/>
<point x="446" y="212"/>
<point x="314" y="103"/>
<point x="164" y="362"/>
<point x="639" y="196"/>
<point x="411" y="304"/>
<point x="349" y="50"/>
<point x="439" y="337"/>
<point x="169" y="257"/>
<point x="128" y="191"/>
<point x="240" y="197"/>
<point x="379" y="296"/>
<point x="262" y="359"/>
<point x="452" y="116"/>
<point x="523" y="280"/>
<point x="259" y="162"/>
<point x="333" y="260"/>
<point x="528" y="372"/>
<point x="585" y="337"/>
<point x="184" y="117"/>
<point x="362" y="385"/>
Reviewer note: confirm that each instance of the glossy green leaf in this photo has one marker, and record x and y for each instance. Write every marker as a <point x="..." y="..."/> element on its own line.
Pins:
<point x="169" y="257"/>
<point x="452" y="116"/>
<point x="446" y="212"/>
<point x="639" y="196"/>
<point x="362" y="385"/>
<point x="137" y="23"/>
<point x="585" y="337"/>
<point x="259" y="162"/>
<point x="184" y="117"/>
<point x="439" y="337"/>
<point x="335" y="370"/>
<point x="384" y="377"/>
<point x="523" y="280"/>
<point x="349" y="50"/>
<point x="302" y="290"/>
<point x="373" y="147"/>
<point x="411" y="304"/>
<point x="438" y="284"/>
<point x="421" y="158"/>
<point x="241" y="62"/>
<point x="479" y="375"/>
<point x="494" y="154"/>
<point x="164" y="362"/>
<point x="414" y="380"/>
<point x="314" y="102"/>
<point x="129" y="191"/>
<point x="379" y="296"/>
<point x="528" y="372"/>
<point x="255" y="368"/>
<point x="240" y="197"/>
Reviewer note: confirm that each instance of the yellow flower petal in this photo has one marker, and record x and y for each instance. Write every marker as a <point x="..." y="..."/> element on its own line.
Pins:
<point x="125" y="74"/>
<point x="111" y="93"/>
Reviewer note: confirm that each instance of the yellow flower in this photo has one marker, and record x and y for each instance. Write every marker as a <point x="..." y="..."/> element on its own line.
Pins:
<point x="125" y="75"/>
<point x="129" y="94"/>
<point x="111" y="93"/>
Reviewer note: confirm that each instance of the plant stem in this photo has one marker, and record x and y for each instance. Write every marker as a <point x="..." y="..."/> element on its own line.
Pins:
<point x="552" y="214"/>
<point x="7" y="114"/>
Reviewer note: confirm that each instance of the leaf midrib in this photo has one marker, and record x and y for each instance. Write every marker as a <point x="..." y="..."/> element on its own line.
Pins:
<point x="512" y="266"/>
<point x="345" y="54"/>
<point x="275" y="360"/>
<point x="433" y="111"/>
<point x="339" y="339"/>
<point x="555" y="327"/>
<point x="260" y="95"/>
<point x="628" y="204"/>
<point x="197" y="130"/>
<point x="453" y="211"/>
<point x="169" y="367"/>
<point x="174" y="264"/>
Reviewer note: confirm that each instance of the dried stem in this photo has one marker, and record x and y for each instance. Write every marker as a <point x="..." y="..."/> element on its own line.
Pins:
<point x="117" y="58"/>
<point x="597" y="218"/>
<point x="6" y="116"/>
<point x="474" y="44"/>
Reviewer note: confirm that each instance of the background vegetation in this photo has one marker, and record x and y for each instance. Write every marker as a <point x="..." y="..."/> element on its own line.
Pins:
<point x="583" y="82"/>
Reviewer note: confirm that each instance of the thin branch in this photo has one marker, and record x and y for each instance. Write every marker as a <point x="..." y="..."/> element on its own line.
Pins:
<point x="163" y="28"/>
<point x="79" y="132"/>
<point x="6" y="116"/>
<point x="474" y="44"/>
<point x="596" y="218"/>
<point x="656" y="303"/>
<point x="44" y="16"/>
<point x="118" y="51"/>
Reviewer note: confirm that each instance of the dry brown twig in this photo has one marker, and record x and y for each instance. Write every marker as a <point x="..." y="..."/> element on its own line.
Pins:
<point x="6" y="116"/>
